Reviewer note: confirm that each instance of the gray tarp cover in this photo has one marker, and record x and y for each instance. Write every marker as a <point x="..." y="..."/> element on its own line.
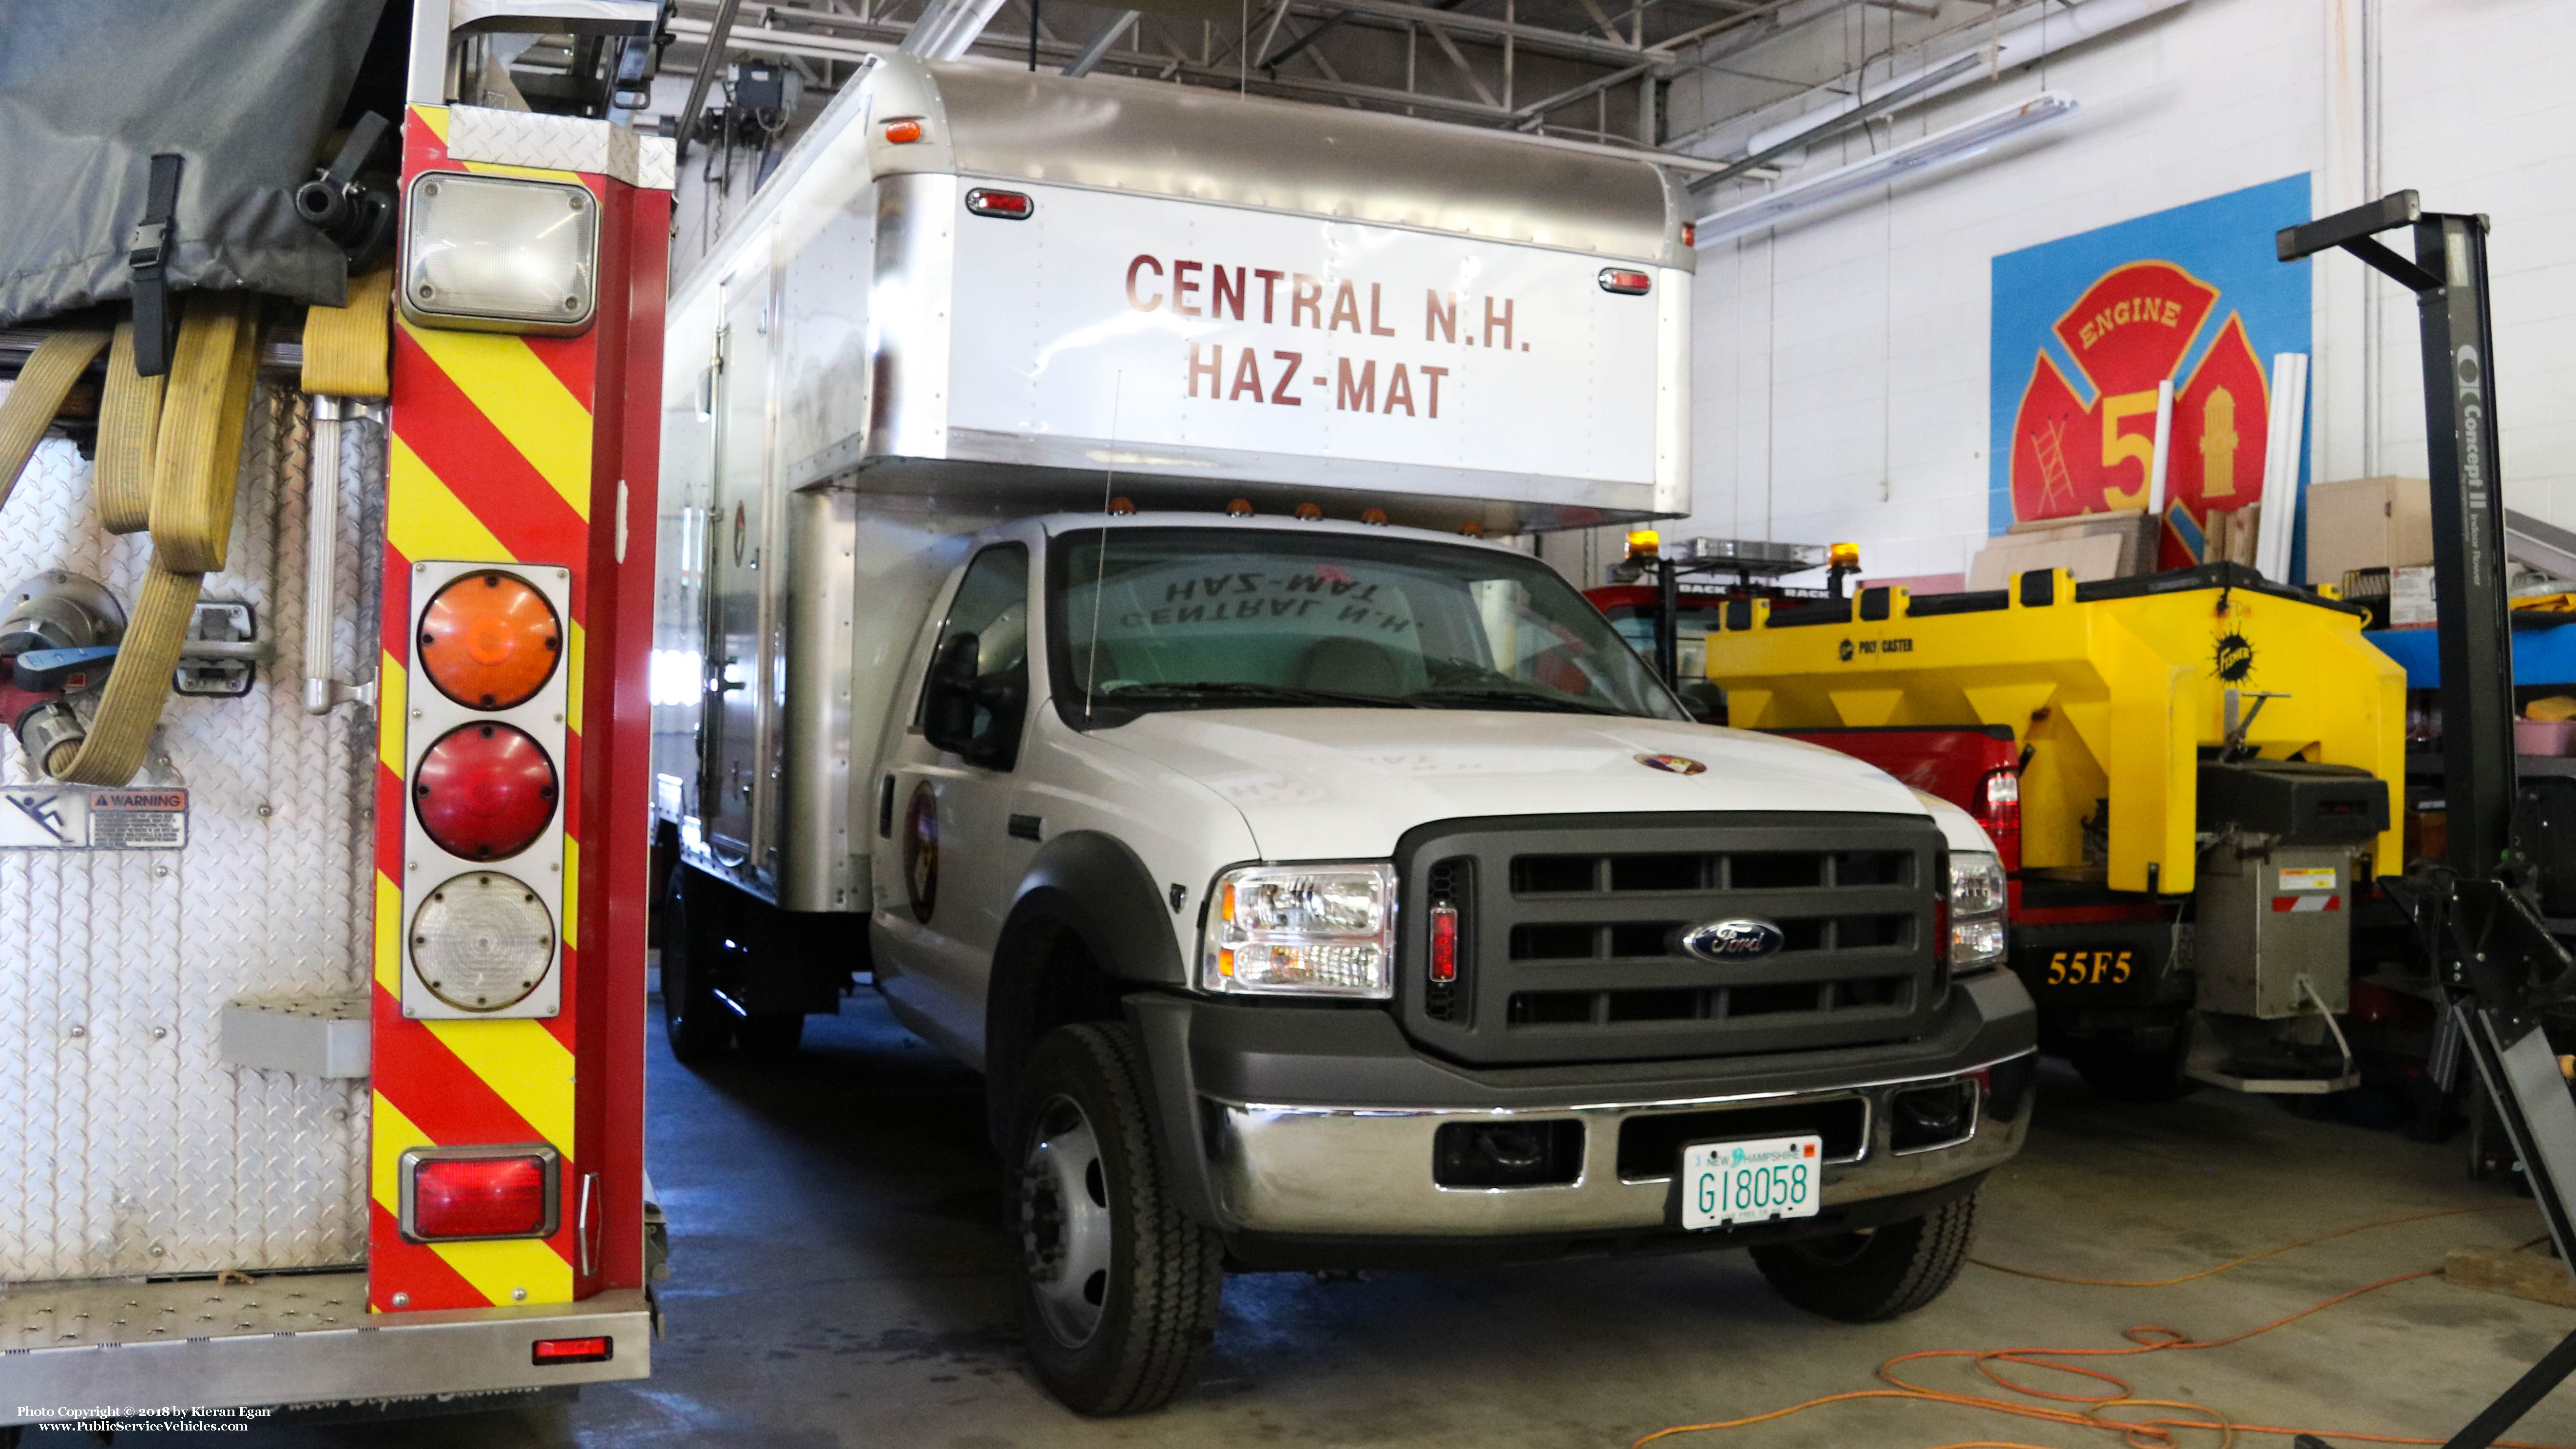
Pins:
<point x="90" y="90"/>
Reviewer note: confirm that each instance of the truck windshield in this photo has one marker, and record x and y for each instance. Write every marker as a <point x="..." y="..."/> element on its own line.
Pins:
<point x="1191" y="618"/>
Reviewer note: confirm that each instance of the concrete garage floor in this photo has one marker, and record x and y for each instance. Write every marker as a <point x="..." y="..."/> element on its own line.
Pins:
<point x="837" y="1280"/>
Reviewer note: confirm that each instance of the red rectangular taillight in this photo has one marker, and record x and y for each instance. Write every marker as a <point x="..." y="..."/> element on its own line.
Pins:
<point x="1444" y="943"/>
<point x="1625" y="282"/>
<point x="572" y="1350"/>
<point x="453" y="1195"/>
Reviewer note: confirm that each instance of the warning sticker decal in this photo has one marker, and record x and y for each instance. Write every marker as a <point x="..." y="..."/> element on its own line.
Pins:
<point x="76" y="817"/>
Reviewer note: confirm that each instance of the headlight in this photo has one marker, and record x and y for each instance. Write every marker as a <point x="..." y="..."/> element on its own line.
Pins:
<point x="1302" y="930"/>
<point x="1975" y="913"/>
<point x="499" y="254"/>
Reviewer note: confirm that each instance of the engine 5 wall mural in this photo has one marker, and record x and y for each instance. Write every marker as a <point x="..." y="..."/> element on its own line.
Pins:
<point x="2086" y="327"/>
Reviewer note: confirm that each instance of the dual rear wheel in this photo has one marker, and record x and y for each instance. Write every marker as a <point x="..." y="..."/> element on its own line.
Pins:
<point x="696" y="1021"/>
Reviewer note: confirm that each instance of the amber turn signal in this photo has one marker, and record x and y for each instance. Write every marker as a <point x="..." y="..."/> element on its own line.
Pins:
<point x="490" y="640"/>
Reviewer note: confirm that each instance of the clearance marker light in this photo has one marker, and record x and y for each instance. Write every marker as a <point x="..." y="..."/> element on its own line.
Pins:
<point x="1008" y="205"/>
<point x="572" y="1350"/>
<point x="489" y="640"/>
<point x="904" y="130"/>
<point x="1624" y="282"/>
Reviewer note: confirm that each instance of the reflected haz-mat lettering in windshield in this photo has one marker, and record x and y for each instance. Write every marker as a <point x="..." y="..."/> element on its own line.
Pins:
<point x="1325" y="594"/>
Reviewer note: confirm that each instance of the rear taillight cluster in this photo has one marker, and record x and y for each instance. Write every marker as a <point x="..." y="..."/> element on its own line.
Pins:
<point x="485" y="739"/>
<point x="1998" y="809"/>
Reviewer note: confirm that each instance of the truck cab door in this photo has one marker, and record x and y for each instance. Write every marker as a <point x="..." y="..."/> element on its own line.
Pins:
<point x="955" y="862"/>
<point x="741" y="610"/>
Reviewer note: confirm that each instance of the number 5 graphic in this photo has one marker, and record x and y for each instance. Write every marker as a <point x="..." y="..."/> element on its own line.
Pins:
<point x="2119" y="447"/>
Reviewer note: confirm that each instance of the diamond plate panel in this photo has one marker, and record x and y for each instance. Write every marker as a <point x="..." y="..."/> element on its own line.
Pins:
<point x="560" y="143"/>
<point x="136" y="1149"/>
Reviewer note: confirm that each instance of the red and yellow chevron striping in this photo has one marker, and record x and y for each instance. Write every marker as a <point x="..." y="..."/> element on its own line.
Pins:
<point x="502" y="452"/>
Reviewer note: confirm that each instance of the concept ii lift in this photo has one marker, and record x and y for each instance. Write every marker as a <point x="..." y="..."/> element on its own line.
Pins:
<point x="2495" y="958"/>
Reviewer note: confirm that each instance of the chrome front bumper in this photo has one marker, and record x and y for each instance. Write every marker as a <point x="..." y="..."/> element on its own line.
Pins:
<point x="288" y="1339"/>
<point x="1352" y="1171"/>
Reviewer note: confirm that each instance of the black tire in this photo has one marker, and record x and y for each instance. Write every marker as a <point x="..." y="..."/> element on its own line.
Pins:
<point x="770" y="1034"/>
<point x="1117" y="1289"/>
<point x="693" y="1021"/>
<point x="2121" y="1067"/>
<point x="1876" y="1274"/>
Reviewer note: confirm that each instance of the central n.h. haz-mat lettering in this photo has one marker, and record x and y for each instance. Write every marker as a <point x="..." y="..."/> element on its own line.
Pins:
<point x="1273" y="297"/>
<point x="1176" y="334"/>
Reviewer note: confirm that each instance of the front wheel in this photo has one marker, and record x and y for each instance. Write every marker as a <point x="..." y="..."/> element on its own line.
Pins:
<point x="1877" y="1273"/>
<point x="1118" y="1288"/>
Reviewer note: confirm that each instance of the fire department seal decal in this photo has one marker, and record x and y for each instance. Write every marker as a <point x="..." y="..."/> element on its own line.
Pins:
<point x="1672" y="764"/>
<point x="921" y="851"/>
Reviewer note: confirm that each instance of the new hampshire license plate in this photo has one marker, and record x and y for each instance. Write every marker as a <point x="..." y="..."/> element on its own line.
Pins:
<point x="1750" y="1182"/>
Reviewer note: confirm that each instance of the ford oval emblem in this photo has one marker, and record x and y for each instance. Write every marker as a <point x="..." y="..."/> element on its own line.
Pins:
<point x="1738" y="940"/>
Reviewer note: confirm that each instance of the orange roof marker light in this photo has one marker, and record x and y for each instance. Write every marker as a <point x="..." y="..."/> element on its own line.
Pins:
<point x="490" y="640"/>
<point x="903" y="130"/>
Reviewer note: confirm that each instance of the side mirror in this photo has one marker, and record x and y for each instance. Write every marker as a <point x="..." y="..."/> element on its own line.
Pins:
<point x="948" y="704"/>
<point x="974" y="716"/>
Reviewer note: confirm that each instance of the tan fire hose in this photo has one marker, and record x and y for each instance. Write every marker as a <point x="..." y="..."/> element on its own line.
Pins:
<point x="37" y="395"/>
<point x="169" y="455"/>
<point x="189" y="448"/>
<point x="194" y="448"/>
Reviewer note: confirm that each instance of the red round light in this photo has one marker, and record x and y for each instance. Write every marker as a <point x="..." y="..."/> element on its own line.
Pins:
<point x="484" y="791"/>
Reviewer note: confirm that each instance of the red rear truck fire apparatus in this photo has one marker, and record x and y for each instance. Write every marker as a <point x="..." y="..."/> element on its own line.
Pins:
<point x="323" y="656"/>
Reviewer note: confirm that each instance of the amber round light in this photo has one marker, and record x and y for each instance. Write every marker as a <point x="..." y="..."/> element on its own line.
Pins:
<point x="484" y="791"/>
<point x="489" y="640"/>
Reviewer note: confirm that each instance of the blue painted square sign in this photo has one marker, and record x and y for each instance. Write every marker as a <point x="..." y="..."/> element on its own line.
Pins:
<point x="2085" y="327"/>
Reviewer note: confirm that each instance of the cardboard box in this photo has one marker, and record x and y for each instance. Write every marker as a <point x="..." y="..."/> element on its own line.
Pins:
<point x="2096" y="546"/>
<point x="2368" y="523"/>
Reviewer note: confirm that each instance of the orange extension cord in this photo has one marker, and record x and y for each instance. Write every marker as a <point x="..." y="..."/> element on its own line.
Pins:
<point x="2093" y="1410"/>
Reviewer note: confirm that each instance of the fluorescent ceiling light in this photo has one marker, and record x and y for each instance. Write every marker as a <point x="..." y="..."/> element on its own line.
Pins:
<point x="1962" y="142"/>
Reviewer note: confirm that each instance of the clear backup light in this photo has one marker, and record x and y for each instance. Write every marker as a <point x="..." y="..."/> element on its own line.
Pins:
<point x="482" y="941"/>
<point x="499" y="254"/>
<point x="1973" y="913"/>
<point x="1302" y="930"/>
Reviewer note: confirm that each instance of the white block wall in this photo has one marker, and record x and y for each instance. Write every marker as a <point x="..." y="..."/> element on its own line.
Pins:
<point x="1841" y="361"/>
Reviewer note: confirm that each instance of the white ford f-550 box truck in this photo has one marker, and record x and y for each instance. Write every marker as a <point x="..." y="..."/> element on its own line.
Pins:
<point x="1070" y="491"/>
